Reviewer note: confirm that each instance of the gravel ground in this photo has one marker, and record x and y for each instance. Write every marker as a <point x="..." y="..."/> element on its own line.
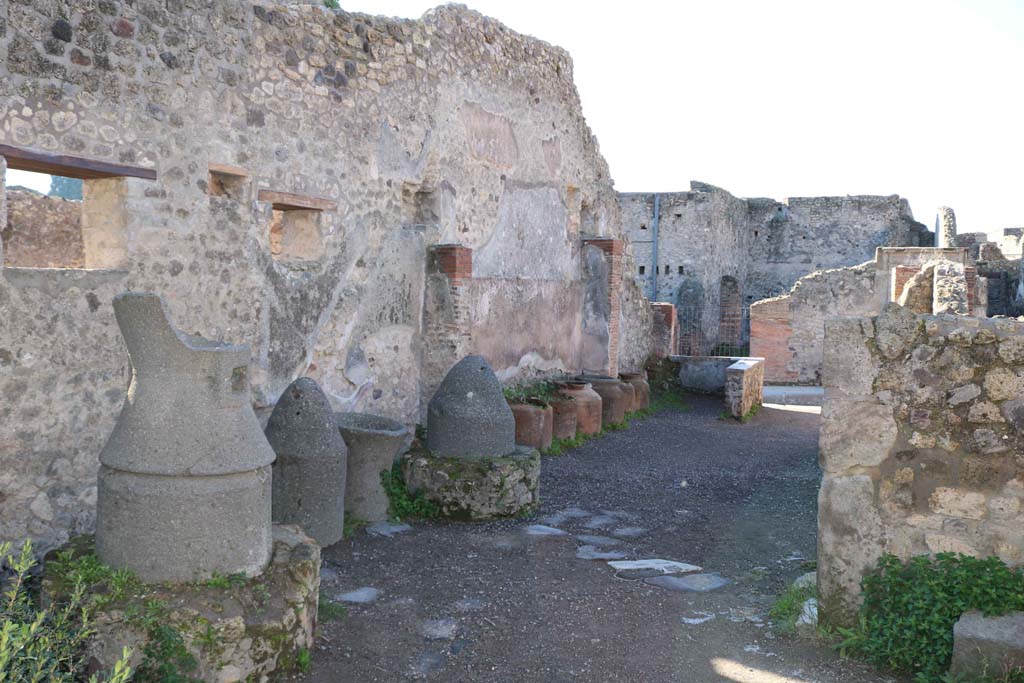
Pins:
<point x="488" y="602"/>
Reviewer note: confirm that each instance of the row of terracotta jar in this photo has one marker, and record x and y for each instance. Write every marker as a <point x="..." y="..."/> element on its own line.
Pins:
<point x="586" y="404"/>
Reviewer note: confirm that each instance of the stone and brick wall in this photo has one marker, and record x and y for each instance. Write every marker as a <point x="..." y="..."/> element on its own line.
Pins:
<point x="765" y="245"/>
<point x="922" y="430"/>
<point x="41" y="231"/>
<point x="397" y="135"/>
<point x="744" y="386"/>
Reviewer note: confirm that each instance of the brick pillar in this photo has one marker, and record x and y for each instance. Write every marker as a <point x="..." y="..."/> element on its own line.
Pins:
<point x="663" y="336"/>
<point x="613" y="248"/>
<point x="900" y="277"/>
<point x="455" y="261"/>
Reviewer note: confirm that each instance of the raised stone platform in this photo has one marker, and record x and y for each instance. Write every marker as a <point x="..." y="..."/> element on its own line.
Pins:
<point x="235" y="629"/>
<point x="476" y="489"/>
<point x="740" y="379"/>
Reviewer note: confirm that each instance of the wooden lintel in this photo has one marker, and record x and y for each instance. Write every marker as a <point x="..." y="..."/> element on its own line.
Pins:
<point x="23" y="159"/>
<point x="228" y="169"/>
<point x="286" y="201"/>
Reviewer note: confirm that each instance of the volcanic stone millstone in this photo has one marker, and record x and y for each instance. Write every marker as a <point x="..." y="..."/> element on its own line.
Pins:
<point x="468" y="416"/>
<point x="309" y="473"/>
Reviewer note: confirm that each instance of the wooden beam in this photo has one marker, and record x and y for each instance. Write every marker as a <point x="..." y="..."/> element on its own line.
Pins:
<point x="228" y="169"/>
<point x="69" y="166"/>
<point x="286" y="201"/>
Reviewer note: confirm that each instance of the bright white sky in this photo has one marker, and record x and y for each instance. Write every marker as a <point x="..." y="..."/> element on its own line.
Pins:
<point x="781" y="98"/>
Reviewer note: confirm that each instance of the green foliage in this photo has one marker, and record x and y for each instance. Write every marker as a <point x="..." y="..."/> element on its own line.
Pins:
<point x="331" y="611"/>
<point x="538" y="392"/>
<point x="790" y="604"/>
<point x="351" y="525"/>
<point x="906" y="620"/>
<point x="45" y="644"/>
<point x="303" y="659"/>
<point x="332" y="4"/>
<point x="68" y="188"/>
<point x="402" y="504"/>
<point x="225" y="582"/>
<point x="165" y="659"/>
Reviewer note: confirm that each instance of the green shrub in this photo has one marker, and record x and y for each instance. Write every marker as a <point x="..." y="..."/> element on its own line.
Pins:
<point x="403" y="505"/>
<point x="45" y="644"/>
<point x="332" y="4"/>
<point x="906" y="620"/>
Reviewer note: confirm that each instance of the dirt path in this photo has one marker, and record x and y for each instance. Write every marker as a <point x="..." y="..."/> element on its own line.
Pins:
<point x="488" y="602"/>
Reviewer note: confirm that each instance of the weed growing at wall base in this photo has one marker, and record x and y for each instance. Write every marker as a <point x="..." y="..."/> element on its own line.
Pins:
<point x="45" y="644"/>
<point x="906" y="620"/>
<point x="403" y="505"/>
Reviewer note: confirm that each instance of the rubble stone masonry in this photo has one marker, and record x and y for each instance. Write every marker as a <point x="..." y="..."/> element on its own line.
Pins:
<point x="921" y="441"/>
<point x="306" y="161"/>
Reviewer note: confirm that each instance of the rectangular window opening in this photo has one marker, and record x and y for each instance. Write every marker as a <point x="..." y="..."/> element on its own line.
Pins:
<point x="64" y="212"/>
<point x="680" y="270"/>
<point x="642" y="269"/>
<point x="227" y="181"/>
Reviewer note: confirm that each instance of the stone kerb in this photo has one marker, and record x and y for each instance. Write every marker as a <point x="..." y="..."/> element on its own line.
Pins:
<point x="921" y="424"/>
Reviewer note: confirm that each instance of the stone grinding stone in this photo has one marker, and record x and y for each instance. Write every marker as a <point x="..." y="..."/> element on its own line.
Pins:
<point x="468" y="416"/>
<point x="309" y="474"/>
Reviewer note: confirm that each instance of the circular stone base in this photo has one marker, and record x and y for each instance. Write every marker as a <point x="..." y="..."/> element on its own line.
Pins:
<point x="234" y="628"/>
<point x="476" y="489"/>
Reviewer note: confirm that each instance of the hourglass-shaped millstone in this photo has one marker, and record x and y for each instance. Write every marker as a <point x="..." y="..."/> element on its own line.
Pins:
<point x="184" y="480"/>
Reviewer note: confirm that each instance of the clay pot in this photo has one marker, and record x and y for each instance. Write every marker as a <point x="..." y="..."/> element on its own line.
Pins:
<point x="640" y="386"/>
<point x="614" y="402"/>
<point x="373" y="441"/>
<point x="564" y="413"/>
<point x="587" y="403"/>
<point x="534" y="424"/>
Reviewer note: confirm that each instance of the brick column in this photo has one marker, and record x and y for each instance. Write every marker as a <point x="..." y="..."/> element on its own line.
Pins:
<point x="455" y="261"/>
<point x="900" y="277"/>
<point x="613" y="248"/>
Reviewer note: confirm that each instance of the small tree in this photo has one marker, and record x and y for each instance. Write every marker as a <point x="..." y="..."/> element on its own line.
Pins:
<point x="67" y="188"/>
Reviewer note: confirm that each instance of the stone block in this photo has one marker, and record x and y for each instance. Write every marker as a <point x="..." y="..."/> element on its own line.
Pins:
<point x="851" y="538"/>
<point x="987" y="646"/>
<point x="476" y="489"/>
<point x="848" y="369"/>
<point x="855" y="434"/>
<point x="895" y="330"/>
<point x="954" y="502"/>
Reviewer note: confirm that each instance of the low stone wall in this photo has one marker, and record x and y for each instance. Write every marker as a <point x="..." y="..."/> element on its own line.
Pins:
<point x="744" y="383"/>
<point x="922" y="430"/>
<point x="42" y="231"/>
<point x="740" y="380"/>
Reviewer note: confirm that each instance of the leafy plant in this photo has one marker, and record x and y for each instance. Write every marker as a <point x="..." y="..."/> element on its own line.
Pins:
<point x="540" y="392"/>
<point x="906" y="619"/>
<point x="331" y="611"/>
<point x="352" y="524"/>
<point x="303" y="659"/>
<point x="787" y="609"/>
<point x="165" y="659"/>
<point x="45" y="644"/>
<point x="403" y="505"/>
<point x="332" y="4"/>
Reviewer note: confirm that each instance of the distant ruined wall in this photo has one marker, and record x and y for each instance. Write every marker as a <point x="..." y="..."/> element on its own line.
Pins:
<point x="789" y="331"/>
<point x="402" y="135"/>
<point x="707" y="234"/>
<point x="922" y="430"/>
<point x="42" y="232"/>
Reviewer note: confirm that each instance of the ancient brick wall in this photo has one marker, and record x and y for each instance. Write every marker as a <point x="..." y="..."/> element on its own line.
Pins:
<point x="42" y="232"/>
<point x="397" y="135"/>
<point x="922" y="430"/>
